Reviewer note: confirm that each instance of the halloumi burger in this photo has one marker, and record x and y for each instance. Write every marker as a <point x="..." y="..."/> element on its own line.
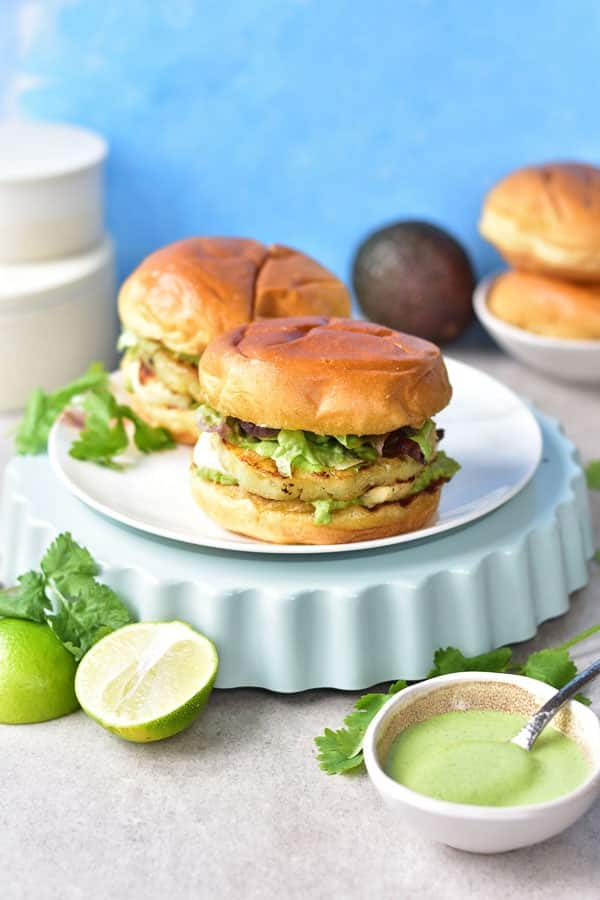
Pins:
<point x="187" y="293"/>
<point x="320" y="431"/>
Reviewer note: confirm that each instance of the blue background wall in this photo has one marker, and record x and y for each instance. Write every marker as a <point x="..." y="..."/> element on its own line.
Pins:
<point x="308" y="122"/>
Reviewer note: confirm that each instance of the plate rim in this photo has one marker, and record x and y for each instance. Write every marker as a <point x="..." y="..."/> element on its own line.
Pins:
<point x="260" y="547"/>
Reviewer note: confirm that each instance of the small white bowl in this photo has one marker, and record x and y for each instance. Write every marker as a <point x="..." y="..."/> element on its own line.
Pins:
<point x="481" y="829"/>
<point x="572" y="360"/>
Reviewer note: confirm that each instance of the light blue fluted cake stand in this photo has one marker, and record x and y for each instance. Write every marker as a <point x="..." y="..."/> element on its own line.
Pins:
<point x="347" y="620"/>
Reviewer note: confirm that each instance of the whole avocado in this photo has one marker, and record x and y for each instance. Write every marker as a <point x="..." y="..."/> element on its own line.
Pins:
<point x="415" y="277"/>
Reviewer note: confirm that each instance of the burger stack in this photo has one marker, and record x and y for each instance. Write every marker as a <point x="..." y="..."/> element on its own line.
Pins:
<point x="56" y="261"/>
<point x="307" y="427"/>
<point x="545" y="221"/>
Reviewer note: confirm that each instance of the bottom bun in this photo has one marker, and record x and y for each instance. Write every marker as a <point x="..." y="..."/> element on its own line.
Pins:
<point x="180" y="422"/>
<point x="292" y="522"/>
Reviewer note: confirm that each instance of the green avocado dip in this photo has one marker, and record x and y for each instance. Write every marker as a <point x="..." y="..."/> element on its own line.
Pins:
<point x="465" y="757"/>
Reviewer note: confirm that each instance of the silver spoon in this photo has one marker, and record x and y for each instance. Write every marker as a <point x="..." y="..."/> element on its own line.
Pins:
<point x="530" y="732"/>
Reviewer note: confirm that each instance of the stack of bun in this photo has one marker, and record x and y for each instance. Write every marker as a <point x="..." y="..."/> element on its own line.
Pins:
<point x="545" y="221"/>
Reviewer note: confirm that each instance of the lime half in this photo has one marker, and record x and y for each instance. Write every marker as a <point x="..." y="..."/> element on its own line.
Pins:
<point x="37" y="674"/>
<point x="148" y="681"/>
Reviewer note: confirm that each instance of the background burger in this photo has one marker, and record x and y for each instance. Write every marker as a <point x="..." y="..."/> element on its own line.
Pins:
<point x="187" y="293"/>
<point x="319" y="431"/>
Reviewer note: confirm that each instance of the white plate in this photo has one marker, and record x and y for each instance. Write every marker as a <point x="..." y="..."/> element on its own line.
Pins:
<point x="489" y="430"/>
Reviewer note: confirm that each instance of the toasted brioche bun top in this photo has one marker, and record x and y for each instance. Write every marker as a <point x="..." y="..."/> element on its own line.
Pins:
<point x="547" y="218"/>
<point x="190" y="292"/>
<point x="329" y="376"/>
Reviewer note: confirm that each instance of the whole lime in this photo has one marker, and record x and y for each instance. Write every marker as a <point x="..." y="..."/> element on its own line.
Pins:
<point x="37" y="674"/>
<point x="415" y="277"/>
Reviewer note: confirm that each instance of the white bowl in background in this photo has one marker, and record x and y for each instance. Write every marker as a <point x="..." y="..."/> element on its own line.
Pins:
<point x="51" y="190"/>
<point x="482" y="829"/>
<point x="55" y="318"/>
<point x="572" y="360"/>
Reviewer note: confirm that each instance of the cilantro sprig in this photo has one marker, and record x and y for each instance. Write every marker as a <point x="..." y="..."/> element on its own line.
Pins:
<point x="592" y="474"/>
<point x="104" y="436"/>
<point x="341" y="751"/>
<point x="43" y="409"/>
<point x="65" y="594"/>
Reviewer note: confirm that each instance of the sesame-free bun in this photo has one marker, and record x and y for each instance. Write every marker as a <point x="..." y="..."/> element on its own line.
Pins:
<point x="546" y="219"/>
<point x="546" y="305"/>
<point x="329" y="376"/>
<point x="292" y="522"/>
<point x="189" y="292"/>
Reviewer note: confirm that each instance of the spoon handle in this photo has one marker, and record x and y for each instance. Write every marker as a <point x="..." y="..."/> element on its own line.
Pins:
<point x="531" y="730"/>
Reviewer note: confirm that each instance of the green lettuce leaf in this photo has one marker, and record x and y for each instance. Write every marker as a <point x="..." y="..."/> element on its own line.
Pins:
<point x="425" y="437"/>
<point x="309" y="452"/>
<point x="306" y="451"/>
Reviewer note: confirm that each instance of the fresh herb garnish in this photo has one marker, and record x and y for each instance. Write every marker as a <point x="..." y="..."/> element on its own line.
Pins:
<point x="104" y="435"/>
<point x="43" y="409"/>
<point x="66" y="595"/>
<point x="341" y="750"/>
<point x="592" y="474"/>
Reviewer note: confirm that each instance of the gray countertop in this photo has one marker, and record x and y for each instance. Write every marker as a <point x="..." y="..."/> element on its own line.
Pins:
<point x="237" y="808"/>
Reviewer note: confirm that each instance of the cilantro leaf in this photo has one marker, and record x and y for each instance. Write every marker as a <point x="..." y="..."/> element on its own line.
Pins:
<point x="597" y="556"/>
<point x="27" y="601"/>
<point x="147" y="438"/>
<point x="66" y="595"/>
<point x="592" y="474"/>
<point x="100" y="444"/>
<point x="340" y="751"/>
<point x="554" y="666"/>
<point x="397" y="686"/>
<point x="65" y="557"/>
<point x="43" y="409"/>
<point x="105" y="435"/>
<point x="332" y="755"/>
<point x="82" y="617"/>
<point x="449" y="659"/>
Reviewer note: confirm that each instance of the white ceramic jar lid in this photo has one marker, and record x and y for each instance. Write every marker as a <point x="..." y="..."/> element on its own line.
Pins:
<point x="51" y="190"/>
<point x="32" y="150"/>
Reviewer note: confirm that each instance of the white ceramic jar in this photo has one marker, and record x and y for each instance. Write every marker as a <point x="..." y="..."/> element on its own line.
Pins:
<point x="55" y="318"/>
<point x="51" y="191"/>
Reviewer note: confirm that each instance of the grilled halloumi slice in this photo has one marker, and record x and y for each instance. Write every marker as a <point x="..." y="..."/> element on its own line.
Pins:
<point x="259" y="475"/>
